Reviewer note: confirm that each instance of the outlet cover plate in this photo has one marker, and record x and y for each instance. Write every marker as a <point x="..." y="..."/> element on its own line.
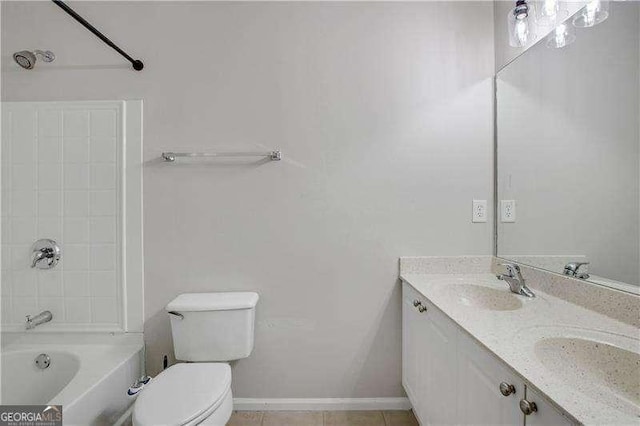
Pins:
<point x="479" y="211"/>
<point x="508" y="211"/>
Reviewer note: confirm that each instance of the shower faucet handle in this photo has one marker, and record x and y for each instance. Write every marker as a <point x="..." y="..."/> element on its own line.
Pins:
<point x="46" y="254"/>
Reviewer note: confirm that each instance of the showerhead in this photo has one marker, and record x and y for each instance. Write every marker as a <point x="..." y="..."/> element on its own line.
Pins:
<point x="27" y="59"/>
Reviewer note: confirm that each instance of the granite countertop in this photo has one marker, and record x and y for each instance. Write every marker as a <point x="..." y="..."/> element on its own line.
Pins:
<point x="512" y="334"/>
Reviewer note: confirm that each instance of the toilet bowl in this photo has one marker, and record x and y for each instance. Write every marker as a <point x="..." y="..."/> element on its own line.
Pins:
<point x="208" y="330"/>
<point x="186" y="394"/>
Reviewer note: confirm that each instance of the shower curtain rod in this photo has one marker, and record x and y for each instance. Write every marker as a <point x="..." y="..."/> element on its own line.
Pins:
<point x="137" y="64"/>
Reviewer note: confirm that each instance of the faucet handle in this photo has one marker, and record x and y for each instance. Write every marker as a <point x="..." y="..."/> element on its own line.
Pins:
<point x="572" y="268"/>
<point x="513" y="270"/>
<point x="575" y="265"/>
<point x="45" y="254"/>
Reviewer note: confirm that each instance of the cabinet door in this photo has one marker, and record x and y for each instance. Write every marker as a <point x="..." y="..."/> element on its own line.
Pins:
<point x="547" y="414"/>
<point x="411" y="362"/>
<point x="440" y="346"/>
<point x="429" y="357"/>
<point x="480" y="401"/>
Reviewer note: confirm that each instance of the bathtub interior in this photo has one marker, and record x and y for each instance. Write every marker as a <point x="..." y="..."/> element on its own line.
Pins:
<point x="23" y="382"/>
<point x="89" y="373"/>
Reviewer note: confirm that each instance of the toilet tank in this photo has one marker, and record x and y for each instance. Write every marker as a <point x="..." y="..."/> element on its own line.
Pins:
<point x="213" y="326"/>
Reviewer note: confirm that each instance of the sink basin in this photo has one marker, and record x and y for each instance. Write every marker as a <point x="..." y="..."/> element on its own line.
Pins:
<point x="602" y="371"/>
<point x="486" y="297"/>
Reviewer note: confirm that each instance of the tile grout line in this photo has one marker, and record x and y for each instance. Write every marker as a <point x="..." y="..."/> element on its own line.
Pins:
<point x="61" y="198"/>
<point x="88" y="221"/>
<point x="35" y="194"/>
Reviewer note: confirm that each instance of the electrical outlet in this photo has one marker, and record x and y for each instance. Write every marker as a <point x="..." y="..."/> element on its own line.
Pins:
<point x="508" y="211"/>
<point x="479" y="211"/>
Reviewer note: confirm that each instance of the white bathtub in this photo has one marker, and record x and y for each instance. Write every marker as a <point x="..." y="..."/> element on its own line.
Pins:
<point x="89" y="373"/>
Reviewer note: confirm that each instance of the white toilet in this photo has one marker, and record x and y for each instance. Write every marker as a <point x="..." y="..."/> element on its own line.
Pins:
<point x="209" y="329"/>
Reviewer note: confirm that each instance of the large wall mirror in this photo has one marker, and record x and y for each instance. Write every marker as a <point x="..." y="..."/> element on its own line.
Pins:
<point x="568" y="150"/>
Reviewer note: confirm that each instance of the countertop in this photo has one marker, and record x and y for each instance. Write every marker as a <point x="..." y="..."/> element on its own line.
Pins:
<point x="511" y="336"/>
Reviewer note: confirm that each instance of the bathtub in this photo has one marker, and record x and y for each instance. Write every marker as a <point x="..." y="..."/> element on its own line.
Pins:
<point x="89" y="374"/>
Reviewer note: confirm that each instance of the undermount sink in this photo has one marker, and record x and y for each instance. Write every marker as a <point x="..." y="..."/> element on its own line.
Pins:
<point x="602" y="371"/>
<point x="486" y="297"/>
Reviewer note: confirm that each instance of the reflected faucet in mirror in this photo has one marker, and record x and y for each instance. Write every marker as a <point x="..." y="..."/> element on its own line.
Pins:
<point x="514" y="278"/>
<point x="572" y="269"/>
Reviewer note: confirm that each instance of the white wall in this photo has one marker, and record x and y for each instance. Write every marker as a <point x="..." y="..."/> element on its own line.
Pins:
<point x="383" y="112"/>
<point x="568" y="146"/>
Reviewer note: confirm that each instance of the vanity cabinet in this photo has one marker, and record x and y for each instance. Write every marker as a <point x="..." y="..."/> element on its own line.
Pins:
<point x="452" y="379"/>
<point x="429" y="359"/>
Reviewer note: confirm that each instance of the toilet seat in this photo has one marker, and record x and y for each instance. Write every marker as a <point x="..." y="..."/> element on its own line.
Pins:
<point x="183" y="394"/>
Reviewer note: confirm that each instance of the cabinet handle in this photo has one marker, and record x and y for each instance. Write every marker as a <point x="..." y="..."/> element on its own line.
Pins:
<point x="507" y="389"/>
<point x="528" y="407"/>
<point x="422" y="308"/>
<point x="417" y="303"/>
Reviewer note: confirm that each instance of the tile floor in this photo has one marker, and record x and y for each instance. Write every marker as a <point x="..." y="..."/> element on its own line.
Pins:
<point x="323" y="418"/>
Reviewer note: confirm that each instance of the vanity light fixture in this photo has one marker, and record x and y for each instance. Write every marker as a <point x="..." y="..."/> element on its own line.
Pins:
<point x="562" y="36"/>
<point x="595" y="12"/>
<point x="520" y="23"/>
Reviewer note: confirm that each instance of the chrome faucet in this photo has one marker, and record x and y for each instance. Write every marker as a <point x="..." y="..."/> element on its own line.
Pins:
<point x="41" y="318"/>
<point x="42" y="255"/>
<point x="46" y="254"/>
<point x="514" y="278"/>
<point x="572" y="269"/>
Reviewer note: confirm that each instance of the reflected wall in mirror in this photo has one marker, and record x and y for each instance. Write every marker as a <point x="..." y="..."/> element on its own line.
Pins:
<point x="568" y="152"/>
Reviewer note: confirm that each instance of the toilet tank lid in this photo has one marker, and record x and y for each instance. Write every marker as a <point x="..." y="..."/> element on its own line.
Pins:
<point x="192" y="302"/>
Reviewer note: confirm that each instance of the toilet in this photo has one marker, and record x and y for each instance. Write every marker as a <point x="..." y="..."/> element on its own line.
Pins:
<point x="209" y="330"/>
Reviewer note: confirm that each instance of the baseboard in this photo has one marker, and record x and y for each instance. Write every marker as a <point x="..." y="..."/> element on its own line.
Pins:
<point x="320" y="404"/>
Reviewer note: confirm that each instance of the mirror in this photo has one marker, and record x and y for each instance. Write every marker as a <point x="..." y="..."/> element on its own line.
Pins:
<point x="568" y="151"/>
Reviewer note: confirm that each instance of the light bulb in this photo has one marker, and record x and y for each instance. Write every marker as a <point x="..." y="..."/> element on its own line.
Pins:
<point x="550" y="8"/>
<point x="562" y="36"/>
<point x="550" y="12"/>
<point x="592" y="14"/>
<point x="519" y="22"/>
<point x="559" y="35"/>
<point x="522" y="31"/>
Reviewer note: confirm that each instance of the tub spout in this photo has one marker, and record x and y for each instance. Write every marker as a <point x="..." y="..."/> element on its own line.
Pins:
<point x="41" y="318"/>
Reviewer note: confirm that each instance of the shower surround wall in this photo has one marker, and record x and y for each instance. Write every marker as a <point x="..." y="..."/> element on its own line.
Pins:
<point x="383" y="112"/>
<point x="60" y="180"/>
